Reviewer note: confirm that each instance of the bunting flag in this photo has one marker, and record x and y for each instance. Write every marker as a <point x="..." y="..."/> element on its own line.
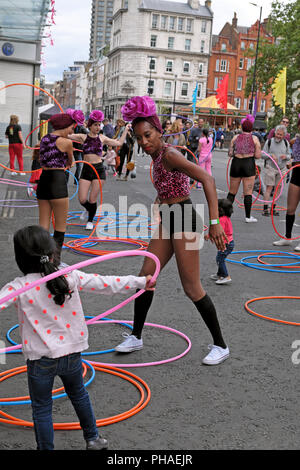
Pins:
<point x="222" y="92"/>
<point x="255" y="106"/>
<point x="279" y="89"/>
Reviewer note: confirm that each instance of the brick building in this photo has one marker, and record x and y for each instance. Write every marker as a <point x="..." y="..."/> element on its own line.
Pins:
<point x="230" y="54"/>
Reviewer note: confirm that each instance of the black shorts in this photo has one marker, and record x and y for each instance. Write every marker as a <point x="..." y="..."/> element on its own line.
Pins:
<point x="242" y="167"/>
<point x="295" y="179"/>
<point x="180" y="217"/>
<point x="52" y="185"/>
<point x="88" y="173"/>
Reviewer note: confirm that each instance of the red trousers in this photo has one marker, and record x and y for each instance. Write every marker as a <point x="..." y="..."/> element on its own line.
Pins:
<point x="15" y="150"/>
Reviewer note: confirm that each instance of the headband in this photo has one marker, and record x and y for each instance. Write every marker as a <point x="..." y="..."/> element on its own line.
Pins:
<point x="141" y="108"/>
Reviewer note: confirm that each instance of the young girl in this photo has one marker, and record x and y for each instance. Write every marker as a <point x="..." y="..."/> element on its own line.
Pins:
<point x="54" y="331"/>
<point x="225" y="212"/>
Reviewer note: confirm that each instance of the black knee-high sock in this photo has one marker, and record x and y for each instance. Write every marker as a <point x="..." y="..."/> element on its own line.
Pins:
<point x="248" y="205"/>
<point x="59" y="238"/>
<point x="289" y="222"/>
<point x="141" y="307"/>
<point x="91" y="208"/>
<point x="231" y="197"/>
<point x="208" y="312"/>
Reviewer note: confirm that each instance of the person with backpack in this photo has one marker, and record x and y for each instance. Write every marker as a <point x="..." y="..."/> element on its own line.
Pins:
<point x="279" y="149"/>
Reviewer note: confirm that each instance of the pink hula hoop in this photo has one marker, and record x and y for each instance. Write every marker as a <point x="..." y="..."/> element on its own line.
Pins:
<point x="82" y="264"/>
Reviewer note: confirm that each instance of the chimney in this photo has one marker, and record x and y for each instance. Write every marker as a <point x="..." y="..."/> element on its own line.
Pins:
<point x="208" y="4"/>
<point x="234" y="20"/>
<point x="194" y="4"/>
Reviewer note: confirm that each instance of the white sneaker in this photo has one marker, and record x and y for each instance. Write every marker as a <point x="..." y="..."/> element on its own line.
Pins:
<point x="216" y="355"/>
<point x="84" y="215"/>
<point x="13" y="173"/>
<point x="214" y="277"/>
<point x="23" y="174"/>
<point x="131" y="343"/>
<point x="89" y="226"/>
<point x="282" y="242"/>
<point x="250" y="219"/>
<point x="297" y="248"/>
<point x="224" y="280"/>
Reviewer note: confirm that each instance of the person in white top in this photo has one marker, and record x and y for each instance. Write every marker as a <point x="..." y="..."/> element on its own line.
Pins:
<point x="54" y="331"/>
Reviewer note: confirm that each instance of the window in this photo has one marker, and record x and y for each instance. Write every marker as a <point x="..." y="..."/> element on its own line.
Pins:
<point x="152" y="63"/>
<point x="153" y="40"/>
<point x="169" y="66"/>
<point x="203" y="26"/>
<point x="241" y="66"/>
<point x="187" y="46"/>
<point x="184" y="89"/>
<point x="243" y="45"/>
<point x="263" y="106"/>
<point x="245" y="103"/>
<point x="202" y="47"/>
<point x="251" y="45"/>
<point x="168" y="88"/>
<point x="163" y="22"/>
<point x="189" y="25"/>
<point x="155" y="21"/>
<point x="199" y="91"/>
<point x="249" y="64"/>
<point x="216" y="83"/>
<point x="171" y="43"/>
<point x="201" y="68"/>
<point x="223" y="65"/>
<point x="172" y="23"/>
<point x="180" y="24"/>
<point x="186" y="67"/>
<point x="237" y="103"/>
<point x="217" y="65"/>
<point x="239" y="83"/>
<point x="150" y="87"/>
<point x="223" y="46"/>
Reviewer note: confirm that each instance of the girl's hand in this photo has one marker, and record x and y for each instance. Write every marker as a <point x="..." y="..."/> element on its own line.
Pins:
<point x="218" y="237"/>
<point x="150" y="284"/>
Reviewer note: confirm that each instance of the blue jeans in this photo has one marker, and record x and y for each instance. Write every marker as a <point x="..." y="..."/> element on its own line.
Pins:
<point x="41" y="374"/>
<point x="221" y="257"/>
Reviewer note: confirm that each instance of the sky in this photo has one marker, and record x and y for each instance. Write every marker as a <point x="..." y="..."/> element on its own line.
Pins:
<point x="71" y="33"/>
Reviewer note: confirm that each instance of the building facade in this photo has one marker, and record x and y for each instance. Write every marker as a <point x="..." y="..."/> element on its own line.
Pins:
<point x="158" y="48"/>
<point x="102" y="12"/>
<point x="233" y="52"/>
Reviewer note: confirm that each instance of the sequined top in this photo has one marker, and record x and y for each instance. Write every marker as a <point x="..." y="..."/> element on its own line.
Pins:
<point x="244" y="144"/>
<point x="169" y="184"/>
<point x="50" y="155"/>
<point x="92" y="145"/>
<point x="296" y="150"/>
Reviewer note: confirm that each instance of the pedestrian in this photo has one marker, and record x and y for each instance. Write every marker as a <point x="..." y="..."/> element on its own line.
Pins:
<point x="125" y="153"/>
<point x="279" y="149"/>
<point x="108" y="129"/>
<point x="194" y="136"/>
<point x="219" y="138"/>
<point x="244" y="149"/>
<point x="177" y="139"/>
<point x="284" y="122"/>
<point x="179" y="225"/>
<point x="110" y="159"/>
<point x="166" y="126"/>
<point x="92" y="144"/>
<point x="54" y="331"/>
<point x="56" y="155"/>
<point x="36" y="170"/>
<point x="293" y="197"/>
<point x="204" y="151"/>
<point x="225" y="212"/>
<point x="15" y="144"/>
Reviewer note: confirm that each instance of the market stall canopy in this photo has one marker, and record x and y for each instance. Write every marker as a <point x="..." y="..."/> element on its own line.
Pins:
<point x="212" y="103"/>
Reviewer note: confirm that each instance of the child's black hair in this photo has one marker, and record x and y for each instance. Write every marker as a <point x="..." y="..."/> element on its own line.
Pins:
<point x="35" y="253"/>
<point x="225" y="207"/>
<point x="205" y="132"/>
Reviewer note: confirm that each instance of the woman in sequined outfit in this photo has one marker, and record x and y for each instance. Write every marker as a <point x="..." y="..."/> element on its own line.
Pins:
<point x="92" y="145"/>
<point x="179" y="226"/>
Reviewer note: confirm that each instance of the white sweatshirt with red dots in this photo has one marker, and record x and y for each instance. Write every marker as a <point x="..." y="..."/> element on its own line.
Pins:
<point x="51" y="330"/>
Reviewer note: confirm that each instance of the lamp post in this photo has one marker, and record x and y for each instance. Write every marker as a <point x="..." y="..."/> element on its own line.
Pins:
<point x="174" y="98"/>
<point x="256" y="55"/>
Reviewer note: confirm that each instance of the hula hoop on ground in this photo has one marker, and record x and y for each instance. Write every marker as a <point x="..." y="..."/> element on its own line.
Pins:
<point x="265" y="317"/>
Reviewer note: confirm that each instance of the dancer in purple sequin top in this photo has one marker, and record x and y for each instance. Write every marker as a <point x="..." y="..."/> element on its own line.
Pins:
<point x="92" y="153"/>
<point x="179" y="225"/>
<point x="50" y="155"/>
